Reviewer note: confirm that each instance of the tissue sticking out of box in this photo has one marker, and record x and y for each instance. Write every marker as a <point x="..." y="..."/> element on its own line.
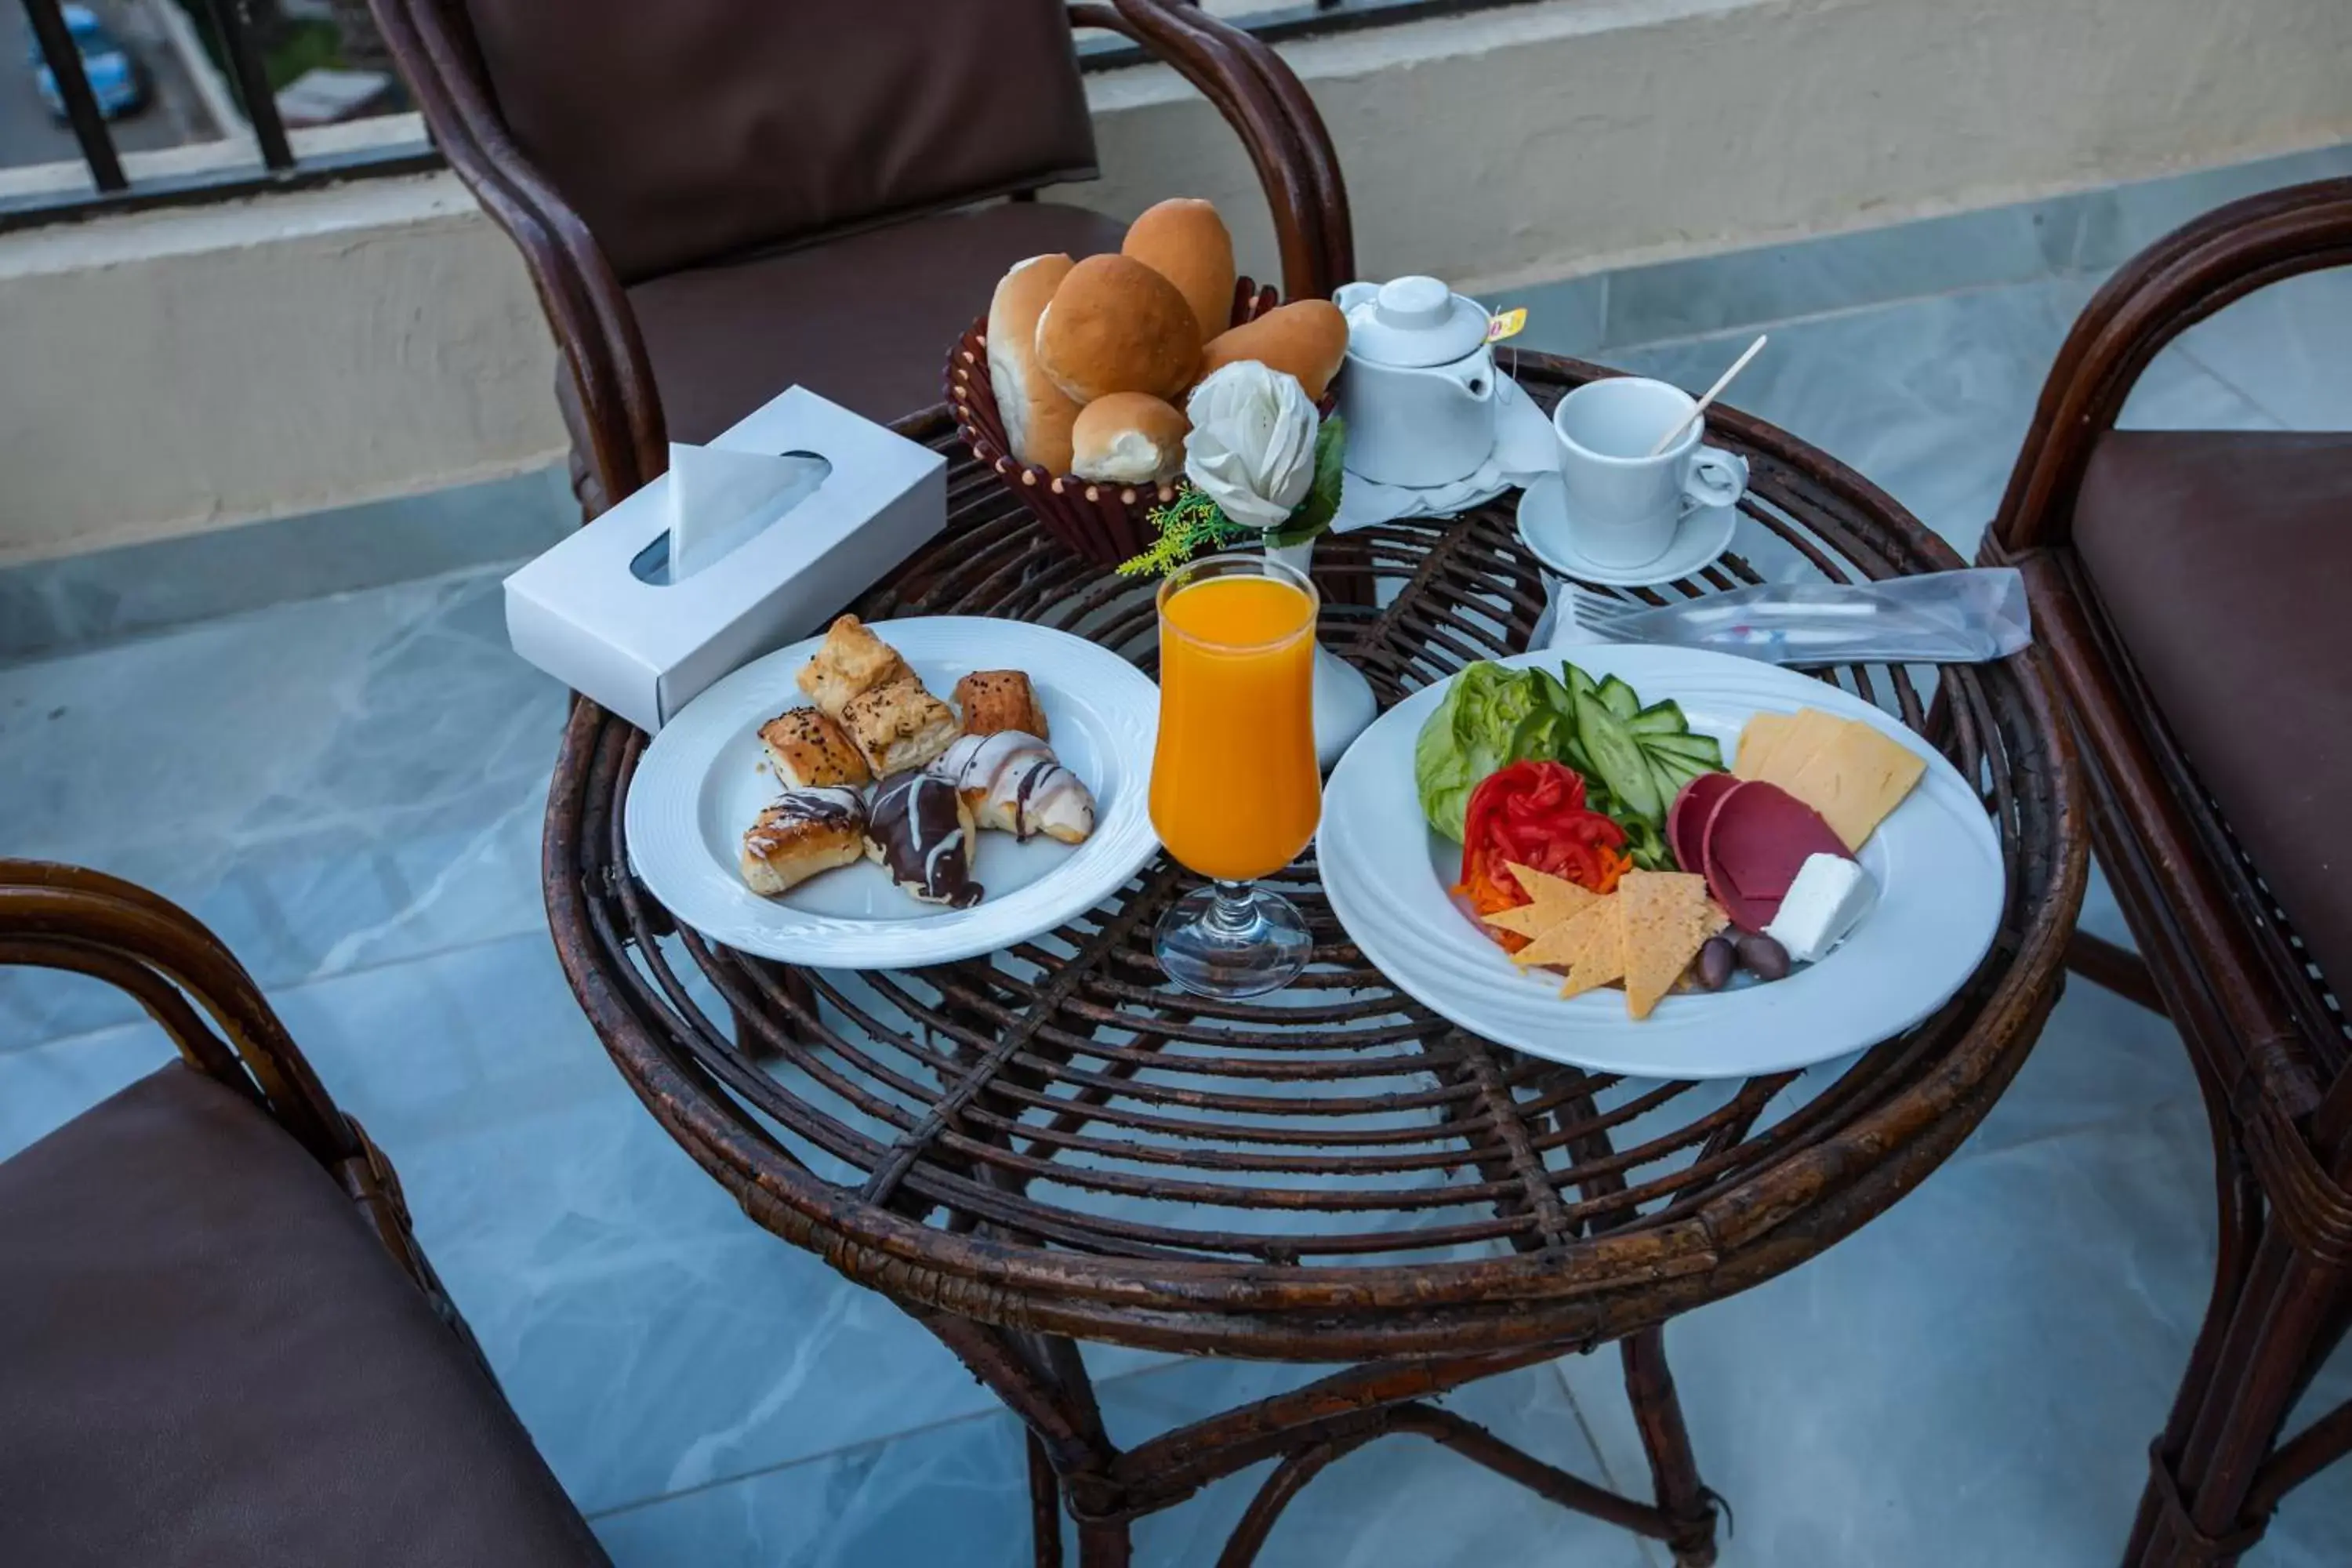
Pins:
<point x="718" y="498"/>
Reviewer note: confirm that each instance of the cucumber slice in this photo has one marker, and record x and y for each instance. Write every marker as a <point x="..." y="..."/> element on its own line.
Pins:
<point x="1576" y="682"/>
<point x="1618" y="698"/>
<point x="1660" y="719"/>
<point x="1704" y="750"/>
<point x="1616" y="760"/>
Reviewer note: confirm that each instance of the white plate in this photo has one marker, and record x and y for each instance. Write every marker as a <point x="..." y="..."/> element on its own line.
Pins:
<point x="1936" y="859"/>
<point x="1700" y="540"/>
<point x="699" y="785"/>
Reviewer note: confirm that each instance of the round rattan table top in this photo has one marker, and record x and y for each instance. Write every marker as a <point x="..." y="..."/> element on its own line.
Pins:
<point x="1053" y="1138"/>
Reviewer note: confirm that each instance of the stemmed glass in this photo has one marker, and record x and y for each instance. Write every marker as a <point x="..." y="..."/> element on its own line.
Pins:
<point x="1235" y="795"/>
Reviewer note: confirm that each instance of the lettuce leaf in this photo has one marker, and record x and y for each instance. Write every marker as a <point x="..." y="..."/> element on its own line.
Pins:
<point x="1491" y="717"/>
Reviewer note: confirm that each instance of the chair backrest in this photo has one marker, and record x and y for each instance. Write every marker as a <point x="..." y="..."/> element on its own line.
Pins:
<point x="688" y="131"/>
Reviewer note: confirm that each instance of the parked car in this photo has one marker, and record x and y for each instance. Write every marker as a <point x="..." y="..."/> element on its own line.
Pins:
<point x="115" y="79"/>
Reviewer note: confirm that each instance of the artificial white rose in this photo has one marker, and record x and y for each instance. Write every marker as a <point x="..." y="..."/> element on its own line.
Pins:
<point x="1251" y="446"/>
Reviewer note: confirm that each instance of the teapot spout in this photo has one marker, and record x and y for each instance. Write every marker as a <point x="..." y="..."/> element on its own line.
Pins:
<point x="1475" y="377"/>
<point x="1350" y="295"/>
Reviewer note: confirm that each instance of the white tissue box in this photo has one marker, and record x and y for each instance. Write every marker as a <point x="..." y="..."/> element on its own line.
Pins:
<point x="781" y="551"/>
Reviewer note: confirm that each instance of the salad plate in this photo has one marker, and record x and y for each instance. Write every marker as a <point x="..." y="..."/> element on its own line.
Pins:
<point x="1935" y="861"/>
<point x="706" y="777"/>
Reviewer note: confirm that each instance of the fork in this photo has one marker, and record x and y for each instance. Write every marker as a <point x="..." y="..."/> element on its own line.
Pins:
<point x="1627" y="620"/>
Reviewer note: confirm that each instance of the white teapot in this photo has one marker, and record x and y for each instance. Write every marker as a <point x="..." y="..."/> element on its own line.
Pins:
<point x="1418" y="393"/>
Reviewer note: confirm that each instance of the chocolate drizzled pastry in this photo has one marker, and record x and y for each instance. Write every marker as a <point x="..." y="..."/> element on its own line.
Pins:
<point x="1012" y="782"/>
<point x="921" y="831"/>
<point x="804" y="831"/>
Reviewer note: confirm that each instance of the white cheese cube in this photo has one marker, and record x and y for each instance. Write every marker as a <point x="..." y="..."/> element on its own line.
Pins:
<point x="1828" y="900"/>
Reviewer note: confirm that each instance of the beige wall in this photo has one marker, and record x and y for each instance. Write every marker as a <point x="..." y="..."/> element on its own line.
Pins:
<point x="187" y="369"/>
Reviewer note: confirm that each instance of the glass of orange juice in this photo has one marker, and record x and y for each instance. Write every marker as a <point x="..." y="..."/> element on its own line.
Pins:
<point x="1235" y="795"/>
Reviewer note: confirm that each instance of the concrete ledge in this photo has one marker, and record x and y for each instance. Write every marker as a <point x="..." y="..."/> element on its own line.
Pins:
<point x="183" y="370"/>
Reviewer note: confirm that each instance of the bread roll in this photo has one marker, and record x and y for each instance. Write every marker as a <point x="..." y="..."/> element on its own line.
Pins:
<point x="1035" y="412"/>
<point x="1115" y="325"/>
<point x="1129" y="438"/>
<point x="1306" y="338"/>
<point x="1186" y="242"/>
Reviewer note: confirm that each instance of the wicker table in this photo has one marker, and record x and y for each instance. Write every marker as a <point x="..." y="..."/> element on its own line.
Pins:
<point x="1051" y="1144"/>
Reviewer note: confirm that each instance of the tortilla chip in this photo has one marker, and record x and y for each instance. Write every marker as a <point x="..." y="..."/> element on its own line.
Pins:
<point x="1594" y="948"/>
<point x="1667" y="918"/>
<point x="1556" y="894"/>
<point x="1556" y="900"/>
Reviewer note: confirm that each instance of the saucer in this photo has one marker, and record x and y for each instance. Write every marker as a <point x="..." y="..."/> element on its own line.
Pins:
<point x="1700" y="540"/>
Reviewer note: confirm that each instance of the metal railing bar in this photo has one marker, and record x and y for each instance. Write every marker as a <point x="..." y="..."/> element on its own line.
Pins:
<point x="1317" y="18"/>
<point x="234" y="20"/>
<point x="63" y="57"/>
<point x="282" y="170"/>
<point x="217" y="185"/>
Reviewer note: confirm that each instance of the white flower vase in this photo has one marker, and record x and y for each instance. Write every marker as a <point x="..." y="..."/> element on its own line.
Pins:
<point x="1344" y="705"/>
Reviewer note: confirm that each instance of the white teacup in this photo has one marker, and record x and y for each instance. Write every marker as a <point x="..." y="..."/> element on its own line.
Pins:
<point x="1623" y="505"/>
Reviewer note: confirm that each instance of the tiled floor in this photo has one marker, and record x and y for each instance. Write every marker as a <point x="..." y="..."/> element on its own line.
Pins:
<point x="348" y="789"/>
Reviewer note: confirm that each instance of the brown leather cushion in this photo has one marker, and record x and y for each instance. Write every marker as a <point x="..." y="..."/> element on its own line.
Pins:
<point x="697" y="129"/>
<point x="866" y="320"/>
<point x="206" y="1357"/>
<point x="2223" y="559"/>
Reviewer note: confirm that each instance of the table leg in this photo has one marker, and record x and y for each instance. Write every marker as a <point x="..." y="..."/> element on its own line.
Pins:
<point x="1673" y="1468"/>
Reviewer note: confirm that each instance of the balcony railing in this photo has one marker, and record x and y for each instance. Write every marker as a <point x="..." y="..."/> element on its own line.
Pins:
<point x="277" y="164"/>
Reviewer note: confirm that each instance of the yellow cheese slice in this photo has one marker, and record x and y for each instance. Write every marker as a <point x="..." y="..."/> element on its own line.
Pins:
<point x="1853" y="778"/>
<point x="1668" y="917"/>
<point x="1765" y="733"/>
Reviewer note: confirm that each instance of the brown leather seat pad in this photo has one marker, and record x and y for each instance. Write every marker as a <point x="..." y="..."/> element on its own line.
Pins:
<point x="866" y="320"/>
<point x="2223" y="560"/>
<point x="694" y="130"/>
<point x="207" y="1357"/>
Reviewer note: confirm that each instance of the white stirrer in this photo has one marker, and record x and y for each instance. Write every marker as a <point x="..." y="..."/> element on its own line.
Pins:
<point x="1675" y="435"/>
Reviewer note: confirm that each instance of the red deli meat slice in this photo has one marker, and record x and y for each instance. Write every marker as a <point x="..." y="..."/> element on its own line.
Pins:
<point x="1755" y="842"/>
<point x="1686" y="818"/>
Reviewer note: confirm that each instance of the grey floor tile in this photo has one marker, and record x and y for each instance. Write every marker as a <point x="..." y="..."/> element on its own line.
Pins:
<point x="957" y="1494"/>
<point x="1565" y="318"/>
<point x="1973" y="1377"/>
<point x="329" y="784"/>
<point x="2124" y="220"/>
<point x="2287" y="349"/>
<point x="1841" y="272"/>
<point x="953" y="1497"/>
<point x="52" y="606"/>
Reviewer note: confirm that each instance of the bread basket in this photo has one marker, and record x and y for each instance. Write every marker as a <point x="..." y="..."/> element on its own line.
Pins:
<point x="1105" y="523"/>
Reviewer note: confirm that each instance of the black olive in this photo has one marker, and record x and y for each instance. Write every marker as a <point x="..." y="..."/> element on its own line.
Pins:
<point x="1715" y="960"/>
<point x="1763" y="957"/>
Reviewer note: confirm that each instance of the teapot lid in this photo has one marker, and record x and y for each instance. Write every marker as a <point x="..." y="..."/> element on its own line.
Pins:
<point x="1412" y="323"/>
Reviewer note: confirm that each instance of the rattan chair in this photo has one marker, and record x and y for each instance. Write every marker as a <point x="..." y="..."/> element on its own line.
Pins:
<point x="219" y="1341"/>
<point x="717" y="199"/>
<point x="2188" y="587"/>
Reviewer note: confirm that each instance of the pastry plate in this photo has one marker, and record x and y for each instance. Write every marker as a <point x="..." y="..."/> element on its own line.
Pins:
<point x="1936" y="859"/>
<point x="701" y="781"/>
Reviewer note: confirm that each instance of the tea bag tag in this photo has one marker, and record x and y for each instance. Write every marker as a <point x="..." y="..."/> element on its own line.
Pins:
<point x="1508" y="324"/>
<point x="720" y="497"/>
